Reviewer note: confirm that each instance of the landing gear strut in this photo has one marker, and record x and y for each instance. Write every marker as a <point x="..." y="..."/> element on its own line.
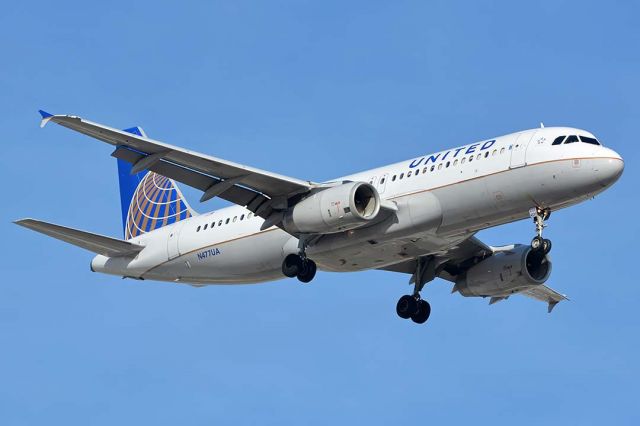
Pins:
<point x="299" y="265"/>
<point x="539" y="215"/>
<point x="413" y="306"/>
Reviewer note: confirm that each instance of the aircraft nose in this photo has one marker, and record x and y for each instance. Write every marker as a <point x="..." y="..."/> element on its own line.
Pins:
<point x="609" y="167"/>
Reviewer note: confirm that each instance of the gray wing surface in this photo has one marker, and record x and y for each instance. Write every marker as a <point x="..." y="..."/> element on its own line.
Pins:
<point x="453" y="259"/>
<point x="257" y="189"/>
<point x="545" y="294"/>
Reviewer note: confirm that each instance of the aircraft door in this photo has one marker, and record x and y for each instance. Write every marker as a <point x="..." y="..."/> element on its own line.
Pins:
<point x="382" y="184"/>
<point x="519" y="149"/>
<point x="172" y="240"/>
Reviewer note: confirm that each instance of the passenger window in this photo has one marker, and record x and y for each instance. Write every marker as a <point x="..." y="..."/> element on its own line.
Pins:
<point x="393" y="179"/>
<point x="558" y="140"/>
<point x="479" y="156"/>
<point x="401" y="175"/>
<point x="471" y="158"/>
<point x="235" y="218"/>
<point x="409" y="174"/>
<point x="571" y="139"/>
<point x="455" y="162"/>
<point x="440" y="166"/>
<point x="226" y="222"/>
<point x="382" y="181"/>
<point x="213" y="224"/>
<point x="495" y="151"/>
<point x="433" y="168"/>
<point x="417" y="172"/>
<point x="198" y="229"/>
<point x="502" y="150"/>
<point x="587" y="139"/>
<point x="242" y="217"/>
<point x="249" y="215"/>
<point x="206" y="225"/>
<point x="448" y="164"/>
<point x="220" y="222"/>
<point x="486" y="154"/>
<point x="464" y="160"/>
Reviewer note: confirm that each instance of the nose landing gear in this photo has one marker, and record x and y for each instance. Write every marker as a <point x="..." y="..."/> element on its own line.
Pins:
<point x="539" y="215"/>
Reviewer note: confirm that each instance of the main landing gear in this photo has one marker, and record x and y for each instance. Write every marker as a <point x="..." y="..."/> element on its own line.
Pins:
<point x="298" y="265"/>
<point x="539" y="215"/>
<point x="413" y="306"/>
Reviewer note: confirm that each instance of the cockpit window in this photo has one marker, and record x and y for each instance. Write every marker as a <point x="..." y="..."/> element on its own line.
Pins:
<point x="574" y="138"/>
<point x="587" y="139"/>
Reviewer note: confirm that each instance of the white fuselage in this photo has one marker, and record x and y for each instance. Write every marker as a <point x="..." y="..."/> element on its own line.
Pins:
<point x="441" y="199"/>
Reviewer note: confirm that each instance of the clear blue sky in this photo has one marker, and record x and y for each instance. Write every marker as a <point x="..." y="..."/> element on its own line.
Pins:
<point x="313" y="90"/>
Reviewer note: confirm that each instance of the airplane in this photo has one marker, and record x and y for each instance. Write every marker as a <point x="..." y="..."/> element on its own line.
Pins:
<point x="416" y="217"/>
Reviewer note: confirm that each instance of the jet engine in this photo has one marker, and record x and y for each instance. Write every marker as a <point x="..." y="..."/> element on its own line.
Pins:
<point x="508" y="271"/>
<point x="335" y="209"/>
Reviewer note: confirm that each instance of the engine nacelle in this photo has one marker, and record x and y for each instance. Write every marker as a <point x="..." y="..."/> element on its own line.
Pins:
<point x="506" y="272"/>
<point x="335" y="209"/>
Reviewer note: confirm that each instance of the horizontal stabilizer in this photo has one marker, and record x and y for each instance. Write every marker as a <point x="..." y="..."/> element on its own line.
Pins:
<point x="99" y="244"/>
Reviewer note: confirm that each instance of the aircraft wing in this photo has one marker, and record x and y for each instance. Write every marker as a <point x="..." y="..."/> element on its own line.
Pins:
<point x="459" y="258"/>
<point x="107" y="246"/>
<point x="453" y="259"/>
<point x="260" y="191"/>
<point x="545" y="294"/>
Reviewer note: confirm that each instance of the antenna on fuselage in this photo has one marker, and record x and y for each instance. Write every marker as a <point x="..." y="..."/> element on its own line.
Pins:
<point x="541" y="125"/>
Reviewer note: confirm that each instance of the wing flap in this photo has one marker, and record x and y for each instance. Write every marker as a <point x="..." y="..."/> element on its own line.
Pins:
<point x="99" y="244"/>
<point x="236" y="194"/>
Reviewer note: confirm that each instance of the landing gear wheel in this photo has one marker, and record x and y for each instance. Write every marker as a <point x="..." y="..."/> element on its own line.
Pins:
<point x="546" y="246"/>
<point x="308" y="271"/>
<point x="422" y="315"/>
<point x="407" y="306"/>
<point x="537" y="243"/>
<point x="292" y="265"/>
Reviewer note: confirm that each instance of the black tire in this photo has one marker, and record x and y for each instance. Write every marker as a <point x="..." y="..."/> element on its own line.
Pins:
<point x="407" y="306"/>
<point x="424" y="310"/>
<point x="291" y="265"/>
<point x="546" y="246"/>
<point x="537" y="243"/>
<point x="308" y="271"/>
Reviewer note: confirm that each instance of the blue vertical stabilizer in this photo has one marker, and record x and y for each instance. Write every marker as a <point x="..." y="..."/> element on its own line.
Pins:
<point x="149" y="201"/>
